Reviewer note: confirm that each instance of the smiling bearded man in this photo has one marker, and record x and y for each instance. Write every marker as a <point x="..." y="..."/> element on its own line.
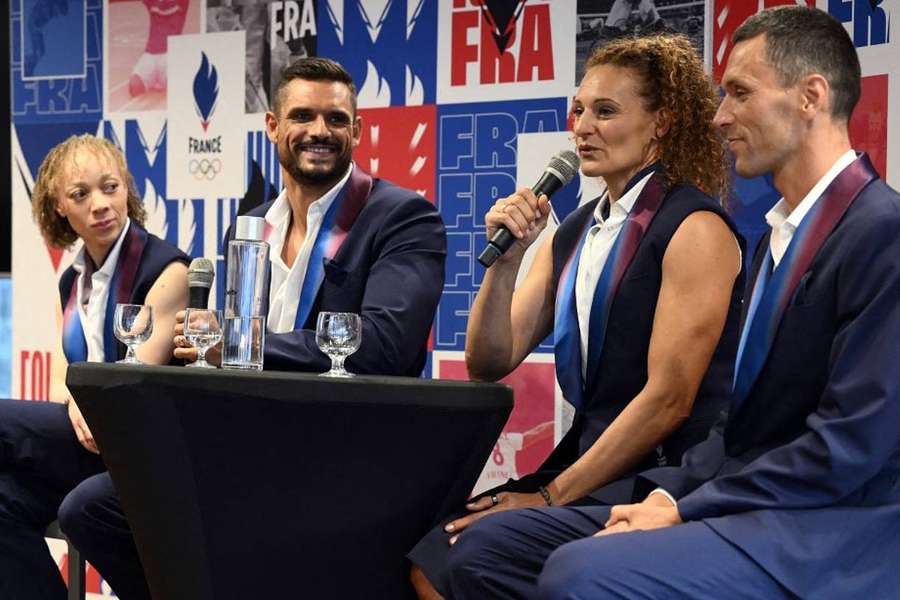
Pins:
<point x="389" y="267"/>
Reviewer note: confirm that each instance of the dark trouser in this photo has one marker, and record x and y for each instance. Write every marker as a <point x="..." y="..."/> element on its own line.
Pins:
<point x="549" y="553"/>
<point x="92" y="518"/>
<point x="40" y="462"/>
<point x="433" y="551"/>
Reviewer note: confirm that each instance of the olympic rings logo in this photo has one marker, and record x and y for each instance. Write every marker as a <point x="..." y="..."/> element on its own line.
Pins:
<point x="204" y="168"/>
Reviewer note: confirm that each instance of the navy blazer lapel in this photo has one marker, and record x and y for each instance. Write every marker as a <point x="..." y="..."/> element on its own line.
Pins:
<point x="761" y="326"/>
<point x="758" y="255"/>
<point x="566" y="332"/>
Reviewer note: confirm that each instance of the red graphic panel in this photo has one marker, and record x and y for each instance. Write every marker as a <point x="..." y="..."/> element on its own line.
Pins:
<point x="534" y="387"/>
<point x="728" y="16"/>
<point x="500" y="59"/>
<point x="399" y="143"/>
<point x="868" y="125"/>
<point x="34" y="375"/>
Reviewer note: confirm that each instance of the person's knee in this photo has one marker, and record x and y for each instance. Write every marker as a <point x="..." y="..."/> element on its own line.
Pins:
<point x="574" y="569"/>
<point x="468" y="546"/>
<point x="73" y="513"/>
<point x="475" y="551"/>
<point x="558" y="576"/>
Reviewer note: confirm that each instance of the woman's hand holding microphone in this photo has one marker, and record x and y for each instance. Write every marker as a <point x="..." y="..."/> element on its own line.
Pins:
<point x="524" y="215"/>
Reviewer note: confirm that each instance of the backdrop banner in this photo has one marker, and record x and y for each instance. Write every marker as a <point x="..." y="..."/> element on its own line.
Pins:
<point x="461" y="100"/>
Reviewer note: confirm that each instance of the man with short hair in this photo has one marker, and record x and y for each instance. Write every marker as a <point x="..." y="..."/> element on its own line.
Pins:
<point x="339" y="241"/>
<point x="797" y="494"/>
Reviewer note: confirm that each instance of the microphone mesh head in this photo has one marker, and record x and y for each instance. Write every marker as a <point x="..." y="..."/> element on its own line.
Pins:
<point x="565" y="163"/>
<point x="201" y="273"/>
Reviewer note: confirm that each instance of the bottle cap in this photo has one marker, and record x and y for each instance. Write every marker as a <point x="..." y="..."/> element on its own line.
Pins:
<point x="249" y="228"/>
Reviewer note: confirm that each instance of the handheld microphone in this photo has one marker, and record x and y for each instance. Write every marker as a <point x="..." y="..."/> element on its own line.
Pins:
<point x="200" y="278"/>
<point x="561" y="170"/>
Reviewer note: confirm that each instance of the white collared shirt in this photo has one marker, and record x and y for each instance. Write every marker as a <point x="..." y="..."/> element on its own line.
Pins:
<point x="784" y="222"/>
<point x="287" y="281"/>
<point x="91" y="299"/>
<point x="600" y="239"/>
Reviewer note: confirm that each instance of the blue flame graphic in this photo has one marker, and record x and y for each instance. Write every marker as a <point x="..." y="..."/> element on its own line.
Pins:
<point x="206" y="90"/>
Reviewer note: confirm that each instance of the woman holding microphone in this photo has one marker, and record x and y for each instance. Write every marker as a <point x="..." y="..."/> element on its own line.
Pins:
<point x="640" y="288"/>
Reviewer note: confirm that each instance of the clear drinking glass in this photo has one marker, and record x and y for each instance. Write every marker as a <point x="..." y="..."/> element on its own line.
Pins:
<point x="133" y="326"/>
<point x="203" y="329"/>
<point x="338" y="335"/>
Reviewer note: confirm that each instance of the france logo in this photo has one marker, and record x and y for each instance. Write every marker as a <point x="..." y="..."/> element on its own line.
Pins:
<point x="206" y="90"/>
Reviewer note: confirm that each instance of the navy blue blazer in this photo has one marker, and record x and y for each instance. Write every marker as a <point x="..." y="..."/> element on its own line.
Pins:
<point x="805" y="476"/>
<point x="390" y="270"/>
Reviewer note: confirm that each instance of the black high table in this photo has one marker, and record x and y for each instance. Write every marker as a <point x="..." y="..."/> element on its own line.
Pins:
<point x="245" y="485"/>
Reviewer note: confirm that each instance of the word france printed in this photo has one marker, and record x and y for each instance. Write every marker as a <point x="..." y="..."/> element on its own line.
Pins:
<point x="206" y="99"/>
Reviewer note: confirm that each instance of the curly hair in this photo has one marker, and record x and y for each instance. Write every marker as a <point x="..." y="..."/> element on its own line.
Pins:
<point x="673" y="80"/>
<point x="44" y="198"/>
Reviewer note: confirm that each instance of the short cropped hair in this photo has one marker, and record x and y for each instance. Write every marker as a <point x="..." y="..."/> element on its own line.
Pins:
<point x="314" y="69"/>
<point x="44" y="198"/>
<point x="801" y="41"/>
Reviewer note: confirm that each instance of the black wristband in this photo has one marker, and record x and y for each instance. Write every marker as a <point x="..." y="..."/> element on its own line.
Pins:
<point x="546" y="495"/>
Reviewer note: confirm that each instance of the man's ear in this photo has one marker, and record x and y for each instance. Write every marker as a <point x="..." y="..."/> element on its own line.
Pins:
<point x="272" y="127"/>
<point x="357" y="130"/>
<point x="815" y="95"/>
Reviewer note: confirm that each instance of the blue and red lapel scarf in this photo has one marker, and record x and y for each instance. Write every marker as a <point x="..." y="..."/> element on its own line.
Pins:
<point x="120" y="291"/>
<point x="567" y="337"/>
<point x="772" y="290"/>
<point x="336" y="224"/>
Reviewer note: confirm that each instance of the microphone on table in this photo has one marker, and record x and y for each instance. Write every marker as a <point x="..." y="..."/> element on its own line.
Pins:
<point x="200" y="278"/>
<point x="561" y="170"/>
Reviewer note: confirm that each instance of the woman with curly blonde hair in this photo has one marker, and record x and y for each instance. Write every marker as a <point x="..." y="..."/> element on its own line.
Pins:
<point x="50" y="465"/>
<point x="641" y="290"/>
<point x="55" y="227"/>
